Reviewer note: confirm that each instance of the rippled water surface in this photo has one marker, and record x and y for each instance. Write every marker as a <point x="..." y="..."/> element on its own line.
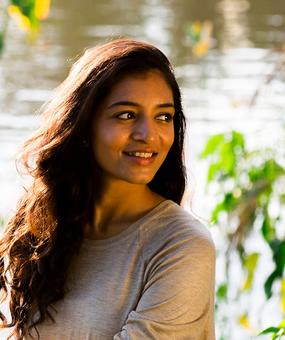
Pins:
<point x="245" y="58"/>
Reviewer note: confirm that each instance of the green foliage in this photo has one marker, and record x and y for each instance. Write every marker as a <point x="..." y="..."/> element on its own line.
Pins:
<point x="276" y="332"/>
<point x="27" y="14"/>
<point x="27" y="6"/>
<point x="225" y="150"/>
<point x="249" y="184"/>
<point x="278" y="250"/>
<point x="250" y="263"/>
<point x="270" y="330"/>
<point x="267" y="228"/>
<point x="222" y="292"/>
<point x="199" y="35"/>
<point x="227" y="204"/>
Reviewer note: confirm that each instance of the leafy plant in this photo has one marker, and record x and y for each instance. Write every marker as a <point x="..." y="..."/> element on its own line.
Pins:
<point x="27" y="14"/>
<point x="248" y="184"/>
<point x="276" y="332"/>
<point x="200" y="35"/>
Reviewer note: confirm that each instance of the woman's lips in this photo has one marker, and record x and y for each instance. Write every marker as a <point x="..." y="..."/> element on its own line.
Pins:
<point x="141" y="157"/>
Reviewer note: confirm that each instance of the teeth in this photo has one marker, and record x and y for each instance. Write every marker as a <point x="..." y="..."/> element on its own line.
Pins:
<point x="141" y="154"/>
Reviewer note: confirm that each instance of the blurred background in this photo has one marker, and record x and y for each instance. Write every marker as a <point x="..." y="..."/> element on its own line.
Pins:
<point x="229" y="59"/>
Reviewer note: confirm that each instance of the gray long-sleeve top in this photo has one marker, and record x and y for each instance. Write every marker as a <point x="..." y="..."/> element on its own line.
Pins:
<point x="154" y="280"/>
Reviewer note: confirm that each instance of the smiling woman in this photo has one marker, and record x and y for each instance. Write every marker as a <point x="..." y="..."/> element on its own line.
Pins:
<point x="100" y="236"/>
<point x="133" y="128"/>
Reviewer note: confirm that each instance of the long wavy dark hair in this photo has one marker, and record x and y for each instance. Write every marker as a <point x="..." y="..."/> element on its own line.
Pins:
<point x="46" y="231"/>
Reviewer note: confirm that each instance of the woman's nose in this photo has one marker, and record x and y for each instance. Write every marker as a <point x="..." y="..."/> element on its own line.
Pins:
<point x="144" y="131"/>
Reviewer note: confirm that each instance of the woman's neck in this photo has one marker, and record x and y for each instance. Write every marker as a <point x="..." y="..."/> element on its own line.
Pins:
<point x="120" y="205"/>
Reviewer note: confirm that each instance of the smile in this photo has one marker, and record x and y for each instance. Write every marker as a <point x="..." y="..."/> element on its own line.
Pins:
<point x="140" y="154"/>
<point x="141" y="158"/>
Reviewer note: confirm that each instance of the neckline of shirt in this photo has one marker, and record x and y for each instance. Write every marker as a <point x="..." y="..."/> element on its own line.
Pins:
<point x="132" y="227"/>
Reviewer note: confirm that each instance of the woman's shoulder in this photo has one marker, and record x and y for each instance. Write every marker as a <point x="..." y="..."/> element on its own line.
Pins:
<point x="172" y="224"/>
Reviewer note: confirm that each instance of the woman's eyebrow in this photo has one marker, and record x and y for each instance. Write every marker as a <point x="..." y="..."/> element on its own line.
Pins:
<point x="129" y="103"/>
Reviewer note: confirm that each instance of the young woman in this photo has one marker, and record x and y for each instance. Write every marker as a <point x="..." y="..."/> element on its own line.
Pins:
<point x="99" y="247"/>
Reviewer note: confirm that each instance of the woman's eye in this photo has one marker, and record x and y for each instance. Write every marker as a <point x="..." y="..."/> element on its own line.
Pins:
<point x="125" y="115"/>
<point x="166" y="117"/>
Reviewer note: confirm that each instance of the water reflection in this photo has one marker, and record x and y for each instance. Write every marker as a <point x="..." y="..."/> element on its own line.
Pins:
<point x="105" y="31"/>
<point x="234" y="23"/>
<point x="157" y="23"/>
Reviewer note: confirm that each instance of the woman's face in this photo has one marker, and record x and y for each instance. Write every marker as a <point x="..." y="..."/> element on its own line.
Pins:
<point x="133" y="129"/>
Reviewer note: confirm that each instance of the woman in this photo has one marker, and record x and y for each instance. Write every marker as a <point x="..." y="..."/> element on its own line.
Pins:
<point x="99" y="247"/>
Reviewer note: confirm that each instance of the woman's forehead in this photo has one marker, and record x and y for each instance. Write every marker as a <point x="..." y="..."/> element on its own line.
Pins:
<point x="141" y="86"/>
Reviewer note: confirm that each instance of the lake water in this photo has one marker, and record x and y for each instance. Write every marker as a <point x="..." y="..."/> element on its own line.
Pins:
<point x="247" y="49"/>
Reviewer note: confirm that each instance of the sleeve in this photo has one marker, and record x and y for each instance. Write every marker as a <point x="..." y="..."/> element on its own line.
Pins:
<point x="178" y="298"/>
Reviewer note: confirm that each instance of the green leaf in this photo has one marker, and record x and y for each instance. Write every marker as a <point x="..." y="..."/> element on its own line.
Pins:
<point x="212" y="145"/>
<point x="269" y="170"/>
<point x="255" y="173"/>
<point x="194" y="31"/>
<point x="26" y="6"/>
<point x="238" y="140"/>
<point x="269" y="282"/>
<point x="225" y="149"/>
<point x="229" y="201"/>
<point x="250" y="262"/>
<point x="267" y="228"/>
<point x="269" y="330"/>
<point x="272" y="170"/>
<point x="228" y="160"/>
<point x="278" y="249"/>
<point x="27" y="9"/>
<point x="227" y="204"/>
<point x="215" y="213"/>
<point x="213" y="171"/>
<point x="222" y="291"/>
